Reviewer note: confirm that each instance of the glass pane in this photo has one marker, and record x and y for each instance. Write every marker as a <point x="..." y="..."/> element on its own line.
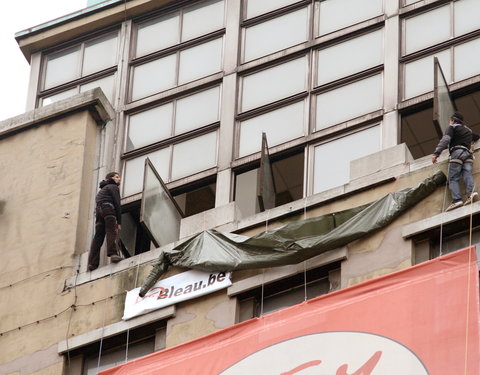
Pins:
<point x="333" y="15"/>
<point x="276" y="34"/>
<point x="257" y="7"/>
<point x="62" y="67"/>
<point x="197" y="110"/>
<point x="100" y="54"/>
<point x="149" y="126"/>
<point x="159" y="213"/>
<point x="408" y="2"/>
<point x="442" y="103"/>
<point x="466" y="13"/>
<point x="332" y="159"/>
<point x="183" y="164"/>
<point x="467" y="62"/>
<point x="245" y="192"/>
<point x="106" y="84"/>
<point x="417" y="36"/>
<point x="275" y="83"/>
<point x="203" y="18"/>
<point x="153" y="77"/>
<point x="200" y="61"/>
<point x="419" y="74"/>
<point x="280" y="125"/>
<point x="61" y="95"/>
<point x="350" y="101"/>
<point x="133" y="175"/>
<point x="335" y="62"/>
<point x="158" y="34"/>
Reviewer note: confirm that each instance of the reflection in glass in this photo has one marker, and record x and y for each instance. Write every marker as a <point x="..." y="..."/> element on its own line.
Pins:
<point x="106" y="84"/>
<point x="466" y="13"/>
<point x="202" y="18"/>
<point x="466" y="60"/>
<point x="276" y="34"/>
<point x="149" y="126"/>
<point x="153" y="77"/>
<point x="349" y="101"/>
<point x="158" y="34"/>
<point x="273" y="84"/>
<point x="62" y="67"/>
<point x="280" y="125"/>
<point x="257" y="7"/>
<point x="99" y="54"/>
<point x="200" y="61"/>
<point x="332" y="159"/>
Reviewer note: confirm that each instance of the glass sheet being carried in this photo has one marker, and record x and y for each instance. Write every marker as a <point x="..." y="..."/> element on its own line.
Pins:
<point x="443" y="105"/>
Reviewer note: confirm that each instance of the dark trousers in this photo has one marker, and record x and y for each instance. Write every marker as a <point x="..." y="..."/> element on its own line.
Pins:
<point x="105" y="224"/>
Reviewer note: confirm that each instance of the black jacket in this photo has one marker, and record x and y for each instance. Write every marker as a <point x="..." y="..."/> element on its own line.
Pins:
<point x="456" y="135"/>
<point x="109" y="193"/>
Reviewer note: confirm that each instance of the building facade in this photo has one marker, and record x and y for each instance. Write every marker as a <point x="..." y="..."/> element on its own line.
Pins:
<point x="345" y="98"/>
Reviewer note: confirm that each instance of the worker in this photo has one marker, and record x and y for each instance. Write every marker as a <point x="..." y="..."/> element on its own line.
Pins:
<point x="459" y="139"/>
<point x="108" y="219"/>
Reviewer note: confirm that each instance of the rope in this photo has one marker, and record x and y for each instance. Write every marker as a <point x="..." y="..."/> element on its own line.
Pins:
<point x="103" y="323"/>
<point x="71" y="314"/>
<point x="443" y="212"/>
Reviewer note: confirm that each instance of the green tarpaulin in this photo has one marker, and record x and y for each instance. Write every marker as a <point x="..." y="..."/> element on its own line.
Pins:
<point x="213" y="251"/>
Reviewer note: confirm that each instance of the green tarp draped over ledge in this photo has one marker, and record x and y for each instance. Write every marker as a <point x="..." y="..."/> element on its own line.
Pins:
<point x="213" y="251"/>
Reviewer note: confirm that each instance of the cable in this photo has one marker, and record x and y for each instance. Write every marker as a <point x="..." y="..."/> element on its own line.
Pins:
<point x="34" y="276"/>
<point x="71" y="314"/>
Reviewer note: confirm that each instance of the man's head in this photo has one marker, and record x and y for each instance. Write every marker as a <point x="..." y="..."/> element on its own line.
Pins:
<point x="113" y="176"/>
<point x="457" y="117"/>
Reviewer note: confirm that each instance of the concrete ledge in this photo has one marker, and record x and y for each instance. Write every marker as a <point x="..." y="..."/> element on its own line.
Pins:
<point x="93" y="100"/>
<point x="114" y="329"/>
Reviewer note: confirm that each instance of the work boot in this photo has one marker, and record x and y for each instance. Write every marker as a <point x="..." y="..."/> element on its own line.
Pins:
<point x="472" y="198"/>
<point x="91" y="267"/>
<point x="454" y="205"/>
<point x="115" y="258"/>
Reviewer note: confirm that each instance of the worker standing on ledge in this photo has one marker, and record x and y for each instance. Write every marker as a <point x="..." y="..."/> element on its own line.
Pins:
<point x="459" y="139"/>
<point x="108" y="219"/>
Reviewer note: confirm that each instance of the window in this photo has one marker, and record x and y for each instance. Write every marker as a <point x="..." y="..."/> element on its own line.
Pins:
<point x="257" y="7"/>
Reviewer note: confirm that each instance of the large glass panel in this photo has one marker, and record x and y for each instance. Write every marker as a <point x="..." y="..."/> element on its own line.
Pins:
<point x="106" y="84"/>
<point x="200" y="61"/>
<point x="337" y="14"/>
<point x="197" y="110"/>
<point x="257" y="7"/>
<point x="276" y="34"/>
<point x="336" y="62"/>
<point x="62" y="67"/>
<point x="275" y="83"/>
<point x="149" y="126"/>
<point x="194" y="155"/>
<point x="133" y="175"/>
<point x="202" y="18"/>
<point x="467" y="61"/>
<point x="419" y="74"/>
<point x="61" y="95"/>
<point x="266" y="191"/>
<point x="153" y="77"/>
<point x="443" y="107"/>
<point x="350" y="101"/>
<point x="466" y="16"/>
<point x="99" y="54"/>
<point x="280" y="125"/>
<point x="332" y="159"/>
<point x="418" y="36"/>
<point x="158" y="34"/>
<point x="159" y="212"/>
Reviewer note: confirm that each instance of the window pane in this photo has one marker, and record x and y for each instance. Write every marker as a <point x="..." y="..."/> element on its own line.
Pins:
<point x="417" y="36"/>
<point x="203" y="18"/>
<point x="61" y="95"/>
<point x="275" y="83"/>
<point x="280" y="125"/>
<point x="106" y="84"/>
<point x="153" y="77"/>
<point x="408" y="2"/>
<point x="133" y="175"/>
<point x="419" y="74"/>
<point x="200" y="61"/>
<point x="197" y="110"/>
<point x="467" y="60"/>
<point x="100" y="54"/>
<point x="62" y="67"/>
<point x="149" y="126"/>
<point x="332" y="159"/>
<point x="257" y="7"/>
<point x="276" y="34"/>
<point x="466" y="13"/>
<point x="348" y="102"/>
<point x="336" y="62"/>
<point x="158" y="34"/>
<point x="333" y="14"/>
<point x="184" y="164"/>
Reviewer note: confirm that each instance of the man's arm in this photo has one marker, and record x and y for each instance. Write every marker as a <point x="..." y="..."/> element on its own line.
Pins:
<point x="443" y="144"/>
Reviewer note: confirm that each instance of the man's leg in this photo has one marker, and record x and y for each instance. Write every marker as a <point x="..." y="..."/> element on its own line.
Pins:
<point x="454" y="172"/>
<point x="470" y="189"/>
<point x="94" y="254"/>
<point x="111" y="229"/>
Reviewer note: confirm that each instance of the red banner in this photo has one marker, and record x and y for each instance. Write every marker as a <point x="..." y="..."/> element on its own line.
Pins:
<point x="423" y="320"/>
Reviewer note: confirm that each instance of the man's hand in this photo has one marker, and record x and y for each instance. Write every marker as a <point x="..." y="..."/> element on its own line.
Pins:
<point x="119" y="226"/>
<point x="434" y="159"/>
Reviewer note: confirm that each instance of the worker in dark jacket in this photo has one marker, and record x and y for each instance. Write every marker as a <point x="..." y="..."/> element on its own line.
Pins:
<point x="459" y="139"/>
<point x="108" y="219"/>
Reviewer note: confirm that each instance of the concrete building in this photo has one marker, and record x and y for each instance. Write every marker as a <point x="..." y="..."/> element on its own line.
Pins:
<point x="346" y="102"/>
